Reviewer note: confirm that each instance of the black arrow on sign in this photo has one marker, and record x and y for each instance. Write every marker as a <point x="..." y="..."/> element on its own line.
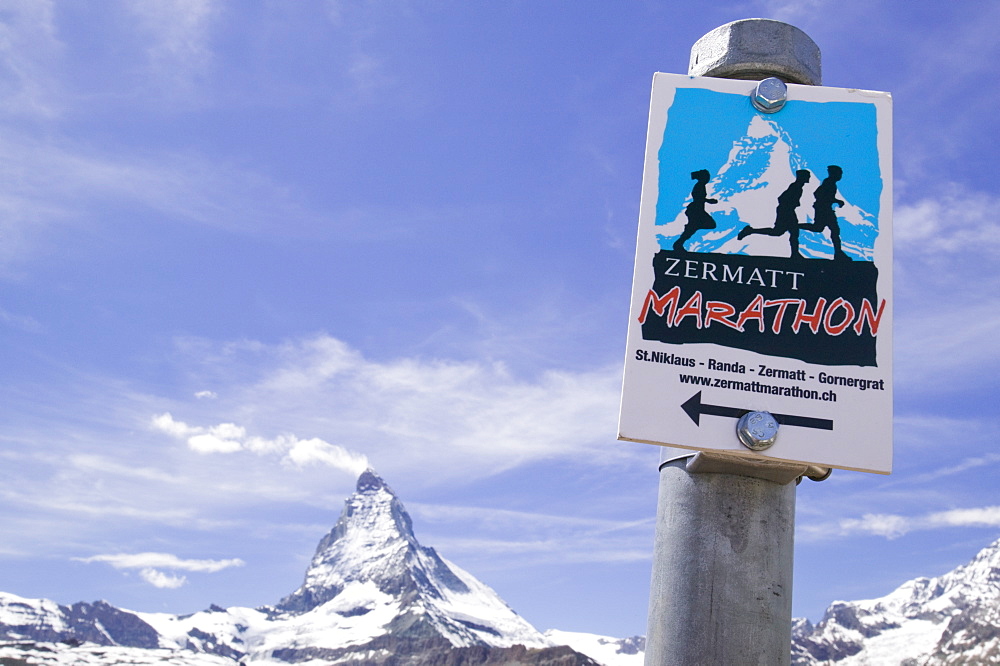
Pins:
<point x="694" y="408"/>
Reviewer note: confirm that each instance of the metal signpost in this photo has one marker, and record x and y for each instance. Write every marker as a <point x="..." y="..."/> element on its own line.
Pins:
<point x="760" y="326"/>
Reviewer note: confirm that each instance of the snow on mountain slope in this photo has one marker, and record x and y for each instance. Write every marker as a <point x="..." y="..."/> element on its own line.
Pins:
<point x="371" y="595"/>
<point x="374" y="595"/>
<point x="369" y="579"/>
<point x="99" y="623"/>
<point x="41" y="614"/>
<point x="603" y="649"/>
<point x="371" y="572"/>
<point x="89" y="654"/>
<point x="951" y="619"/>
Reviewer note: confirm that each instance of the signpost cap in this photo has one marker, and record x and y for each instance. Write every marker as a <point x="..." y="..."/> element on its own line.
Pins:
<point x="755" y="49"/>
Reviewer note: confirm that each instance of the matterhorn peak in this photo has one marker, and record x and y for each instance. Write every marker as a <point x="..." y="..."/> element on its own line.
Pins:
<point x="370" y="481"/>
<point x="372" y="595"/>
<point x="372" y="544"/>
<point x="370" y="565"/>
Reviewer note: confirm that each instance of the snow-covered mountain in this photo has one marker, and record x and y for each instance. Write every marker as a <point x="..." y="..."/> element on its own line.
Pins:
<point x="371" y="563"/>
<point x="372" y="595"/>
<point x="603" y="649"/>
<point x="951" y="619"/>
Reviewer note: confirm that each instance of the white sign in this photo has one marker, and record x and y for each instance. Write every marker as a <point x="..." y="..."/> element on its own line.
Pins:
<point x="763" y="273"/>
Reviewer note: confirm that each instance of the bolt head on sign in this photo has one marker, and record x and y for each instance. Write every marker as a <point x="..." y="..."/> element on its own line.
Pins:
<point x="770" y="95"/>
<point x="757" y="430"/>
<point x="763" y="273"/>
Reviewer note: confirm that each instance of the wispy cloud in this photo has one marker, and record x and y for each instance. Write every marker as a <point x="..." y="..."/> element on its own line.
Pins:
<point x="514" y="553"/>
<point x="959" y="468"/>
<point x="25" y="323"/>
<point x="162" y="561"/>
<point x="29" y="48"/>
<point x="50" y="183"/>
<point x="791" y="11"/>
<point x="151" y="566"/>
<point x="947" y="319"/>
<point x="162" y="580"/>
<point x="446" y="418"/>
<point x="111" y="457"/>
<point x="178" y="33"/>
<point x="522" y="520"/>
<point x="231" y="438"/>
<point x="523" y="537"/>
<point x="360" y="23"/>
<point x="892" y="526"/>
<point x="957" y="220"/>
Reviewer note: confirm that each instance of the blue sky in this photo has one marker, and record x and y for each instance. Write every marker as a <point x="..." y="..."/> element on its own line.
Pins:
<point x="248" y="248"/>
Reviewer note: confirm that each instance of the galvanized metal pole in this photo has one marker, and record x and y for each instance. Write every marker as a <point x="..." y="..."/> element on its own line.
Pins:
<point x="721" y="589"/>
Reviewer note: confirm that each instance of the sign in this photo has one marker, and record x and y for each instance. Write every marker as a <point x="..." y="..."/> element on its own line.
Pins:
<point x="763" y="274"/>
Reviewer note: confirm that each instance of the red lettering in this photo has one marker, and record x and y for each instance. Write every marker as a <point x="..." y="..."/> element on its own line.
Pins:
<point x="691" y="309"/>
<point x="867" y="314"/>
<point x="753" y="311"/>
<point x="720" y="312"/>
<point x="782" y="304"/>
<point x="814" y="320"/>
<point x="659" y="304"/>
<point x="848" y="317"/>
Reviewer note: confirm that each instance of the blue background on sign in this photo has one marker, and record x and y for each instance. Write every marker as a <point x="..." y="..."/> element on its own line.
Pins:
<point x="704" y="125"/>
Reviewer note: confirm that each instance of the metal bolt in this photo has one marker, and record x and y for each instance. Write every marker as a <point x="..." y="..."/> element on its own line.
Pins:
<point x="757" y="430"/>
<point x="769" y="95"/>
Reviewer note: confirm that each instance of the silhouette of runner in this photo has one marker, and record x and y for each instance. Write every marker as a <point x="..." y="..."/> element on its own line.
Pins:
<point x="785" y="220"/>
<point x="823" y="215"/>
<point x="698" y="219"/>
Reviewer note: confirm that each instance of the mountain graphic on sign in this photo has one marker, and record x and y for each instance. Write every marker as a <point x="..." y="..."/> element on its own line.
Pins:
<point x="760" y="166"/>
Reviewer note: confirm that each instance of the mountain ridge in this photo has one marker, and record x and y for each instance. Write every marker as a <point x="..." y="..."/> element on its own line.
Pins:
<point x="372" y="594"/>
<point x="949" y="619"/>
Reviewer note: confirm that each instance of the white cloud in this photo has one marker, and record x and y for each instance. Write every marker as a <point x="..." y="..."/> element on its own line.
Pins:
<point x="510" y="539"/>
<point x="360" y="24"/>
<point x="506" y="554"/>
<point x="886" y="525"/>
<point x="166" y="423"/>
<point x="125" y="459"/>
<point x="162" y="561"/>
<point x="893" y="526"/>
<point x="959" y="468"/>
<point x="957" y="220"/>
<point x="209" y="443"/>
<point x="451" y="418"/>
<point x="206" y="395"/>
<point x="162" y="580"/>
<point x="231" y="438"/>
<point x="946" y="286"/>
<point x="222" y="438"/>
<point x="50" y="184"/>
<point x="150" y="565"/>
<point x="178" y="32"/>
<point x="28" y="49"/>
<point x="521" y="521"/>
<point x="316" y="451"/>
<point x="987" y="516"/>
<point x="429" y="418"/>
<point x="792" y="11"/>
